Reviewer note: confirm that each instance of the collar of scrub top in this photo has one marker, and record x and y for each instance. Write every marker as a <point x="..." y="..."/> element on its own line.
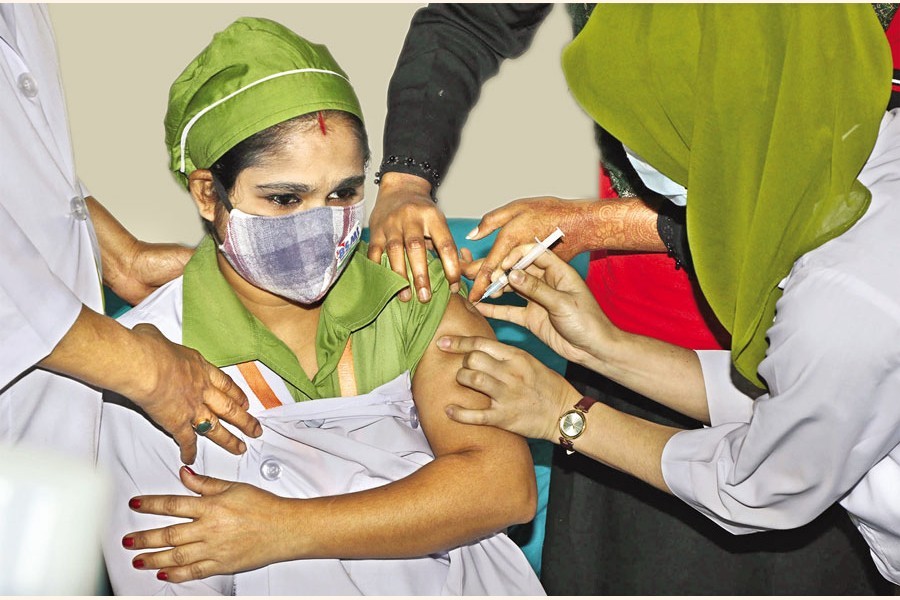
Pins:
<point x="217" y="324"/>
<point x="269" y="399"/>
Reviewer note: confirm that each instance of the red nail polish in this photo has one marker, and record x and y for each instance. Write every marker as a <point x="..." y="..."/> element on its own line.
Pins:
<point x="128" y="542"/>
<point x="134" y="503"/>
<point x="137" y="563"/>
<point x="190" y="470"/>
<point x="162" y="576"/>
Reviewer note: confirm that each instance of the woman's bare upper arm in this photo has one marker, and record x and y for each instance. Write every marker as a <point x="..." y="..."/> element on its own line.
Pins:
<point x="435" y="387"/>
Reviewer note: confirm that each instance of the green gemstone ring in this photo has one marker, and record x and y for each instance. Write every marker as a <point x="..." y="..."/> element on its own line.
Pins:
<point x="203" y="427"/>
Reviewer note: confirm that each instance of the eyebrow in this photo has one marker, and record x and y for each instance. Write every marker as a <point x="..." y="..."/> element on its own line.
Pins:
<point x="284" y="187"/>
<point x="302" y="188"/>
<point x="353" y="181"/>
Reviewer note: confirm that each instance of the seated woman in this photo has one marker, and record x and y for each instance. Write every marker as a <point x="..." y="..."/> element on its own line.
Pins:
<point x="360" y="483"/>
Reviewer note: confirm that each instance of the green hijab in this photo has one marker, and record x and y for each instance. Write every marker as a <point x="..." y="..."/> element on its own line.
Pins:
<point x="766" y="113"/>
<point x="254" y="74"/>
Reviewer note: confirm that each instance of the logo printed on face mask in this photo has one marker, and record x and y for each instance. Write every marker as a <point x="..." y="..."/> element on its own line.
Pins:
<point x="347" y="244"/>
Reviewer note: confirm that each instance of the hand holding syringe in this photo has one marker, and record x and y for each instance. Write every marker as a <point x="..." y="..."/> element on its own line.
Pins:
<point x="523" y="263"/>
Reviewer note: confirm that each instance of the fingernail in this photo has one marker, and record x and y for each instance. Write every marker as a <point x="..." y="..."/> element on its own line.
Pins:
<point x="242" y="447"/>
<point x="471" y="235"/>
<point x="135" y="503"/>
<point x="137" y="563"/>
<point x="189" y="470"/>
<point x="443" y="342"/>
<point x="454" y="288"/>
<point x="424" y="294"/>
<point x="449" y="411"/>
<point x="162" y="576"/>
<point x="128" y="542"/>
<point x="516" y="276"/>
<point x="405" y="295"/>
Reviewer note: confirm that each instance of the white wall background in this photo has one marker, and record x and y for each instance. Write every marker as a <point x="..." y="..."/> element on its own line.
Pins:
<point x="526" y="137"/>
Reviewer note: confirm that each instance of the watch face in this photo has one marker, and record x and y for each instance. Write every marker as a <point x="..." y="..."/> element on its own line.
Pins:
<point x="571" y="424"/>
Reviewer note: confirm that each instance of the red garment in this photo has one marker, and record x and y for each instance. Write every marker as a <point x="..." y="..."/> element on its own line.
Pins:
<point x="646" y="294"/>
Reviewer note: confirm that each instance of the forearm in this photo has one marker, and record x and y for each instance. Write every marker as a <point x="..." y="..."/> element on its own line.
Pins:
<point x="132" y="268"/>
<point x="451" y="501"/>
<point x="591" y="224"/>
<point x="117" y="246"/>
<point x="100" y="352"/>
<point x="625" y="224"/>
<point x="626" y="443"/>
<point x="666" y="373"/>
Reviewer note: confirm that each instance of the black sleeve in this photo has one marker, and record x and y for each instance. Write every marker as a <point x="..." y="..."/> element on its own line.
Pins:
<point x="672" y="231"/>
<point x="449" y="52"/>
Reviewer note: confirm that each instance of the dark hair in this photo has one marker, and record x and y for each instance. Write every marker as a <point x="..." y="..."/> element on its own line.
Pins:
<point x="249" y="152"/>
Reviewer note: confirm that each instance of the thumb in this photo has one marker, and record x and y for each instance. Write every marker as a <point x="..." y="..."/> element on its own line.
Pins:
<point x="201" y="484"/>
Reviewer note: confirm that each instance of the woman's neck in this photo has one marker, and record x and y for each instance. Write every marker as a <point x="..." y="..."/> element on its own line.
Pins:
<point x="292" y="323"/>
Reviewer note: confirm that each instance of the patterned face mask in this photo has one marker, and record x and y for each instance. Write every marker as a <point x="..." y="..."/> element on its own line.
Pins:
<point x="297" y="256"/>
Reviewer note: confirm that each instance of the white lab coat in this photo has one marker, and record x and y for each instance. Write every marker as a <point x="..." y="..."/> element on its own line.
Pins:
<point x="49" y="260"/>
<point x="829" y="429"/>
<point x="308" y="449"/>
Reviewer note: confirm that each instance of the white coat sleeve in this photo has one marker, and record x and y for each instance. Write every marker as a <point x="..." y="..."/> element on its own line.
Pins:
<point x="833" y="370"/>
<point x="831" y="415"/>
<point x="36" y="308"/>
<point x="727" y="404"/>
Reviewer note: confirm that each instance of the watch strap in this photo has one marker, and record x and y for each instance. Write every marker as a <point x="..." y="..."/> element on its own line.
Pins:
<point x="583" y="405"/>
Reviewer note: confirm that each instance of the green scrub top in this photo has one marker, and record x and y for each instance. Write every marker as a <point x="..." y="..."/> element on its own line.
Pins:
<point x="388" y="336"/>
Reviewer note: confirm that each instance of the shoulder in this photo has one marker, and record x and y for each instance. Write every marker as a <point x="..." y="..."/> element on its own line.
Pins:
<point x="435" y="270"/>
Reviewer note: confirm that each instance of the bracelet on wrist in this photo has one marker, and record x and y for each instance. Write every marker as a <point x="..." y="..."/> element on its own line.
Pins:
<point x="407" y="164"/>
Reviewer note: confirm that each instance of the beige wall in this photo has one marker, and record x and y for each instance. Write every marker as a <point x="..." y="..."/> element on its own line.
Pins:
<point x="526" y="137"/>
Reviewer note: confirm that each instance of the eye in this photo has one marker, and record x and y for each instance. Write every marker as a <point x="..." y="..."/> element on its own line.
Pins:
<point x="284" y="199"/>
<point x="345" y="195"/>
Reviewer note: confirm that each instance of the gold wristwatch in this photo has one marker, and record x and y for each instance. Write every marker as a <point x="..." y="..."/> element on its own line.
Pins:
<point x="573" y="422"/>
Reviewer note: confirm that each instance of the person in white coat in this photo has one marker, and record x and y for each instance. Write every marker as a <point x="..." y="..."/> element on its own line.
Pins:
<point x="793" y="198"/>
<point x="57" y="245"/>
<point x="360" y="484"/>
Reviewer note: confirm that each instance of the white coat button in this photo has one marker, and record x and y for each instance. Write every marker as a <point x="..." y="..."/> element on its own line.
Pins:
<point x="413" y="417"/>
<point x="270" y="469"/>
<point x="27" y="85"/>
<point x="315" y="423"/>
<point x="79" y="208"/>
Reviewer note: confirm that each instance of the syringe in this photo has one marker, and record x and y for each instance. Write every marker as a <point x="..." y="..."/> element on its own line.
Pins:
<point x="523" y="263"/>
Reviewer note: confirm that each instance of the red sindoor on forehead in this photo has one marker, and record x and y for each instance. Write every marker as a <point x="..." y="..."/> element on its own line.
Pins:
<point x="321" y="121"/>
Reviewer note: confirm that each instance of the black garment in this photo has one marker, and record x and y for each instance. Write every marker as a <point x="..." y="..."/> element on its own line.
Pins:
<point x="607" y="533"/>
<point x="449" y="52"/>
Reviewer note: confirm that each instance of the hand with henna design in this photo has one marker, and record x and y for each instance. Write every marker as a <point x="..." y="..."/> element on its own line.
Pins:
<point x="627" y="224"/>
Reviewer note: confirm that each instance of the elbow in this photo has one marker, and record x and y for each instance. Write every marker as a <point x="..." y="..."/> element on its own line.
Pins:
<point x="528" y="504"/>
<point x="509" y="489"/>
<point x="521" y="497"/>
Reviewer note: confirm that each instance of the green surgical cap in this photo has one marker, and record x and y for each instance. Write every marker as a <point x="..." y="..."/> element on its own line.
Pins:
<point x="254" y="74"/>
